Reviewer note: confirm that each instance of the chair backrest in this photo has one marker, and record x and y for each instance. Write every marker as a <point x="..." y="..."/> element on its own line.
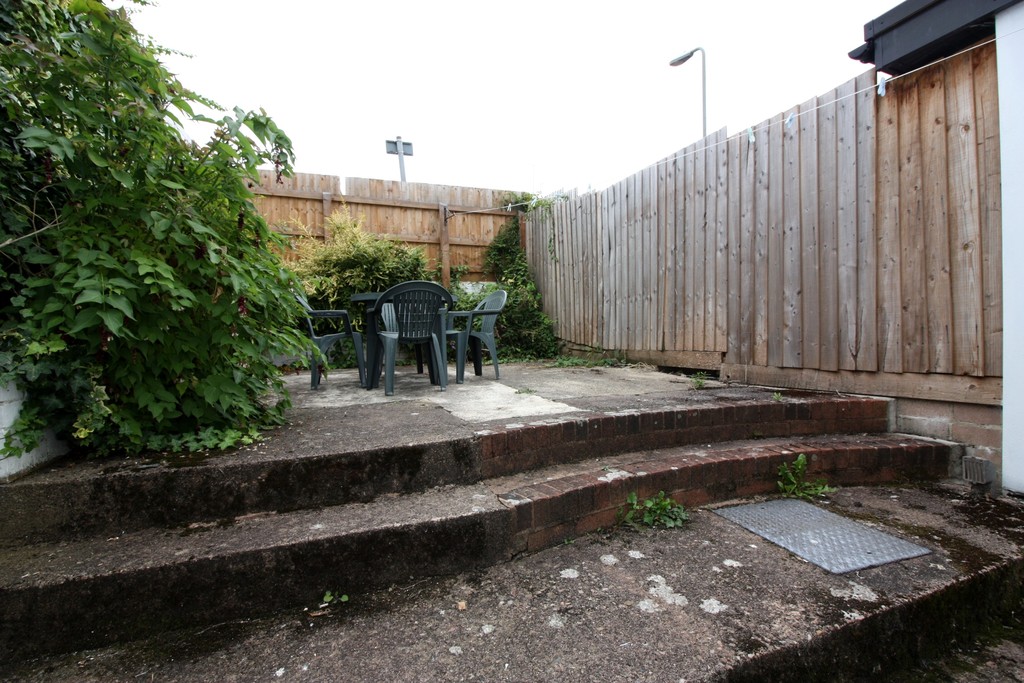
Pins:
<point x="492" y="303"/>
<point x="309" y="309"/>
<point x="411" y="309"/>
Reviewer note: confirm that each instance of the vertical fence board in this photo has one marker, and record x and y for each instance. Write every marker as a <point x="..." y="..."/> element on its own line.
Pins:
<point x="811" y="256"/>
<point x="649" y="274"/>
<point x="682" y="206"/>
<point x="792" y="332"/>
<point x="986" y="111"/>
<point x="667" y="254"/>
<point x="965" y="233"/>
<point x="694" y="245"/>
<point x="608" y="248"/>
<point x="736" y="322"/>
<point x="776" y="243"/>
<point x="863" y="344"/>
<point x="939" y="308"/>
<point x="762" y="230"/>
<point x="831" y="149"/>
<point x="722" y="246"/>
<point x="847" y="227"/>
<point x="912" y="276"/>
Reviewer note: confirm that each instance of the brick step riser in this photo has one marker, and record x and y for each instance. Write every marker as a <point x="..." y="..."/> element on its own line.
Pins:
<point x="550" y="512"/>
<point x="169" y="497"/>
<point x="190" y="593"/>
<point x="62" y="616"/>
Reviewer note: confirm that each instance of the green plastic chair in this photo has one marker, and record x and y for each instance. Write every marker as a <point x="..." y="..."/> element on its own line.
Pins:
<point x="414" y="313"/>
<point x="487" y="313"/>
<point x="325" y="341"/>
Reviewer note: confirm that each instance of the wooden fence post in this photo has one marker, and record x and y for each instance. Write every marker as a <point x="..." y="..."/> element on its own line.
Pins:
<point x="328" y="198"/>
<point x="446" y="261"/>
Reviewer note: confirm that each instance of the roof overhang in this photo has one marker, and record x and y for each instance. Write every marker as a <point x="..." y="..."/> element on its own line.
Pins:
<point x="917" y="32"/>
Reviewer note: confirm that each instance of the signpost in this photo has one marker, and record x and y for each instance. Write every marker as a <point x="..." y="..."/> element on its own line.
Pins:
<point x="402" y="149"/>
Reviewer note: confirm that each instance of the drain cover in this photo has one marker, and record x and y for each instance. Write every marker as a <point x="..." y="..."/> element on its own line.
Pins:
<point x="832" y="542"/>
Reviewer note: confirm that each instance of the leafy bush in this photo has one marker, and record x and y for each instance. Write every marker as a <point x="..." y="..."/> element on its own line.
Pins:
<point x="141" y="298"/>
<point x="523" y="329"/>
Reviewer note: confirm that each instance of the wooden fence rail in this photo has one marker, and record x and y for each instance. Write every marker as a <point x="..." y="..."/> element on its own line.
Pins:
<point x="852" y="234"/>
<point x="453" y="225"/>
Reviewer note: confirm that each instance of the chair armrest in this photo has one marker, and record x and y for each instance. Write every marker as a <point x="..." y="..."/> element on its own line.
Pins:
<point x="327" y="314"/>
<point x="454" y="315"/>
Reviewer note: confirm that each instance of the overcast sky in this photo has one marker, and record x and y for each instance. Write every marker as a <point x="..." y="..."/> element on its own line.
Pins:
<point x="528" y="95"/>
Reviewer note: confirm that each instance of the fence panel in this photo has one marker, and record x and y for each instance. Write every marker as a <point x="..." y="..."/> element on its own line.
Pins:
<point x="855" y="233"/>
<point x="407" y="212"/>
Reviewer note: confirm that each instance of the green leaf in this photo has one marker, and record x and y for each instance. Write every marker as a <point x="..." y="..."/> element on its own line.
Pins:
<point x="114" y="320"/>
<point x="122" y="304"/>
<point x="95" y="157"/>
<point x="89" y="296"/>
<point x="123" y="178"/>
<point x="173" y="185"/>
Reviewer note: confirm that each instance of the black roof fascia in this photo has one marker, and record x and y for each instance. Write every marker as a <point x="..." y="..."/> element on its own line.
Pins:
<point x="917" y="32"/>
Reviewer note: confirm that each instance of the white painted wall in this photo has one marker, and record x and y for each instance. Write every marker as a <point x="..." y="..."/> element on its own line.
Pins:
<point x="1010" y="56"/>
<point x="49" y="449"/>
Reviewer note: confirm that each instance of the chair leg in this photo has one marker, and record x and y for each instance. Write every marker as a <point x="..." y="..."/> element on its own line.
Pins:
<point x="477" y="342"/>
<point x="460" y="358"/>
<point x="357" y="341"/>
<point x="390" y="350"/>
<point x="440" y="364"/>
<point x="314" y="371"/>
<point x="494" y="355"/>
<point x="478" y="362"/>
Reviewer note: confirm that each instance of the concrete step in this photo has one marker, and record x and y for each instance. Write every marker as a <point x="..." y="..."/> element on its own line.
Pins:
<point x="707" y="602"/>
<point x="308" y="466"/>
<point x="154" y="580"/>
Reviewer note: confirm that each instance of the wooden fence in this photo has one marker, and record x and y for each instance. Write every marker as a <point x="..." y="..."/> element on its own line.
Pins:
<point x="842" y="244"/>
<point x="453" y="225"/>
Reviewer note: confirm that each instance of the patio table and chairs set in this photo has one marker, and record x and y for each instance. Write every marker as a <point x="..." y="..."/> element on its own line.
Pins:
<point x="419" y="314"/>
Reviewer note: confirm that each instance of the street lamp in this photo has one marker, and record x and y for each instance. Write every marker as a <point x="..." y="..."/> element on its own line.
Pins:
<point x="703" y="78"/>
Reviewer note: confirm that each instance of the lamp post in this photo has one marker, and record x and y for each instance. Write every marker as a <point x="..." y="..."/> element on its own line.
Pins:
<point x="703" y="78"/>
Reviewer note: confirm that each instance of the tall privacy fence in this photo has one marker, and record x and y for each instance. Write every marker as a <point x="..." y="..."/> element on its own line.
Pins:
<point x="843" y="244"/>
<point x="453" y="225"/>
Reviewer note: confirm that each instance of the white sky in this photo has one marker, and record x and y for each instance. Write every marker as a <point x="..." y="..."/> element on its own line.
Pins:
<point x="530" y="95"/>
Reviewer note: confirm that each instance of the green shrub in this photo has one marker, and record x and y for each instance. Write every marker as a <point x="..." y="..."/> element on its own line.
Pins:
<point x="350" y="260"/>
<point x="141" y="298"/>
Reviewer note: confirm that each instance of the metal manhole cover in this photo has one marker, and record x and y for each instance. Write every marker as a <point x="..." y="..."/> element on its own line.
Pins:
<point x="830" y="541"/>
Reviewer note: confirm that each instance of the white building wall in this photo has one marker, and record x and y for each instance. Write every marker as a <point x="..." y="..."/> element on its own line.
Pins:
<point x="1010" y="60"/>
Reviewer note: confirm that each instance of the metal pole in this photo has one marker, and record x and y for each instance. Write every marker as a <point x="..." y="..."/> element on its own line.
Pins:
<point x="703" y="88"/>
<point x="401" y="157"/>
<point x="703" y="80"/>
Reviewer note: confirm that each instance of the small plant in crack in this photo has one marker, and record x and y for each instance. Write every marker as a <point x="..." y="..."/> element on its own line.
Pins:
<point x="793" y="481"/>
<point x="656" y="511"/>
<point x="331" y="598"/>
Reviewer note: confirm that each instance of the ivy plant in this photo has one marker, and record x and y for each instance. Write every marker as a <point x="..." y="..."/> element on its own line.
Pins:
<point x="523" y="329"/>
<point x="142" y="295"/>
